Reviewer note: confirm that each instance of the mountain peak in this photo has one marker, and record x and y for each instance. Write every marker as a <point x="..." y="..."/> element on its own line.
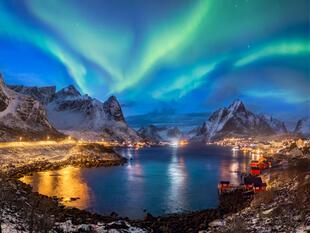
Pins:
<point x="114" y="108"/>
<point x="111" y="99"/>
<point x="237" y="120"/>
<point x="237" y="105"/>
<point x="303" y="127"/>
<point x="68" y="91"/>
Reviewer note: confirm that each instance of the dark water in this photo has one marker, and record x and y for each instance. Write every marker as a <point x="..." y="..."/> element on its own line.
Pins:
<point x="159" y="179"/>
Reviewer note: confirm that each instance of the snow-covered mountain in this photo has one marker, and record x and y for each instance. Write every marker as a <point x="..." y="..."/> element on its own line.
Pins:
<point x="81" y="115"/>
<point x="22" y="116"/>
<point x="278" y="126"/>
<point x="42" y="94"/>
<point x="236" y="120"/>
<point x="303" y="127"/>
<point x="160" y="134"/>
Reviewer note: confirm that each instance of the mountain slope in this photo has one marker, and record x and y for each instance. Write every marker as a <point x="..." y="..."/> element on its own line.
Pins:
<point x="160" y="134"/>
<point x="22" y="116"/>
<point x="236" y="120"/>
<point x="303" y="127"/>
<point x="278" y="126"/>
<point x="81" y="115"/>
<point x="42" y="94"/>
<point x="86" y="117"/>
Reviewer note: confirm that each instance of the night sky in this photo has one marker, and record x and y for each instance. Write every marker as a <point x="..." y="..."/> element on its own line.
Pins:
<point x="169" y="55"/>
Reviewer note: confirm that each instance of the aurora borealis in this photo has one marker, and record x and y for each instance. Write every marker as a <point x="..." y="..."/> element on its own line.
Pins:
<point x="192" y="56"/>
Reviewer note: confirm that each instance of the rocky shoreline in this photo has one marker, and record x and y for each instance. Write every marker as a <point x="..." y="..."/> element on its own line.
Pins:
<point x="284" y="207"/>
<point x="22" y="210"/>
<point x="41" y="212"/>
<point x="38" y="213"/>
<point x="195" y="221"/>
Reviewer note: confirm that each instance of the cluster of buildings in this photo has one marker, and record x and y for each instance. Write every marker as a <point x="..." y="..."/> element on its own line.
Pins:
<point x="266" y="147"/>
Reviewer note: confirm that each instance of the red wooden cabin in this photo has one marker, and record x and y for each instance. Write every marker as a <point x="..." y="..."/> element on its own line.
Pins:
<point x="255" y="171"/>
<point x="254" y="183"/>
<point x="224" y="186"/>
<point x="254" y="163"/>
<point x="260" y="187"/>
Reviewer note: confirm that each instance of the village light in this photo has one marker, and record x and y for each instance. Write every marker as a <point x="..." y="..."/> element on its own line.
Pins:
<point x="175" y="143"/>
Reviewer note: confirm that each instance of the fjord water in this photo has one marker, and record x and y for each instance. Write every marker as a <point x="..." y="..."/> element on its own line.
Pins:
<point x="159" y="180"/>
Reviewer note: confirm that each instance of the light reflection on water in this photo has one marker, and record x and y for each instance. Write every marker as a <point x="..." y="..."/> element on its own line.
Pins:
<point x="65" y="183"/>
<point x="177" y="176"/>
<point x="160" y="180"/>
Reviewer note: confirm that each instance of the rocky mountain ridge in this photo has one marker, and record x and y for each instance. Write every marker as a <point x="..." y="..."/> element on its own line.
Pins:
<point x="21" y="116"/>
<point x="82" y="116"/>
<point x="85" y="117"/>
<point x="237" y="120"/>
<point x="42" y="94"/>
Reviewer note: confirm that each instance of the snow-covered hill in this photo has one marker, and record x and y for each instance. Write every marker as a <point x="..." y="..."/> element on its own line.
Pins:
<point x="303" y="127"/>
<point x="22" y="116"/>
<point x="82" y="116"/>
<point x="236" y="120"/>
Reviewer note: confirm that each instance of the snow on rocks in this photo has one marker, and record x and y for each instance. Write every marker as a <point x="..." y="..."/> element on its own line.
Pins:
<point x="22" y="116"/>
<point x="11" y="222"/>
<point x="217" y="223"/>
<point x="284" y="207"/>
<point x="266" y="212"/>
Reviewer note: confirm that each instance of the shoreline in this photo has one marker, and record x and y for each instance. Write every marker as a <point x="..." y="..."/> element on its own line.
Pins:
<point x="179" y="222"/>
<point x="283" y="207"/>
<point x="64" y="213"/>
<point x="194" y="221"/>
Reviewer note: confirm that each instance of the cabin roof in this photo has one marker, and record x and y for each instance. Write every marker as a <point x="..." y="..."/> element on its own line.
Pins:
<point x="225" y="182"/>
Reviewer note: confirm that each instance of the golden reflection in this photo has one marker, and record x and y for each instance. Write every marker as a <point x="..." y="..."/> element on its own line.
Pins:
<point x="234" y="169"/>
<point x="46" y="183"/>
<point x="65" y="183"/>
